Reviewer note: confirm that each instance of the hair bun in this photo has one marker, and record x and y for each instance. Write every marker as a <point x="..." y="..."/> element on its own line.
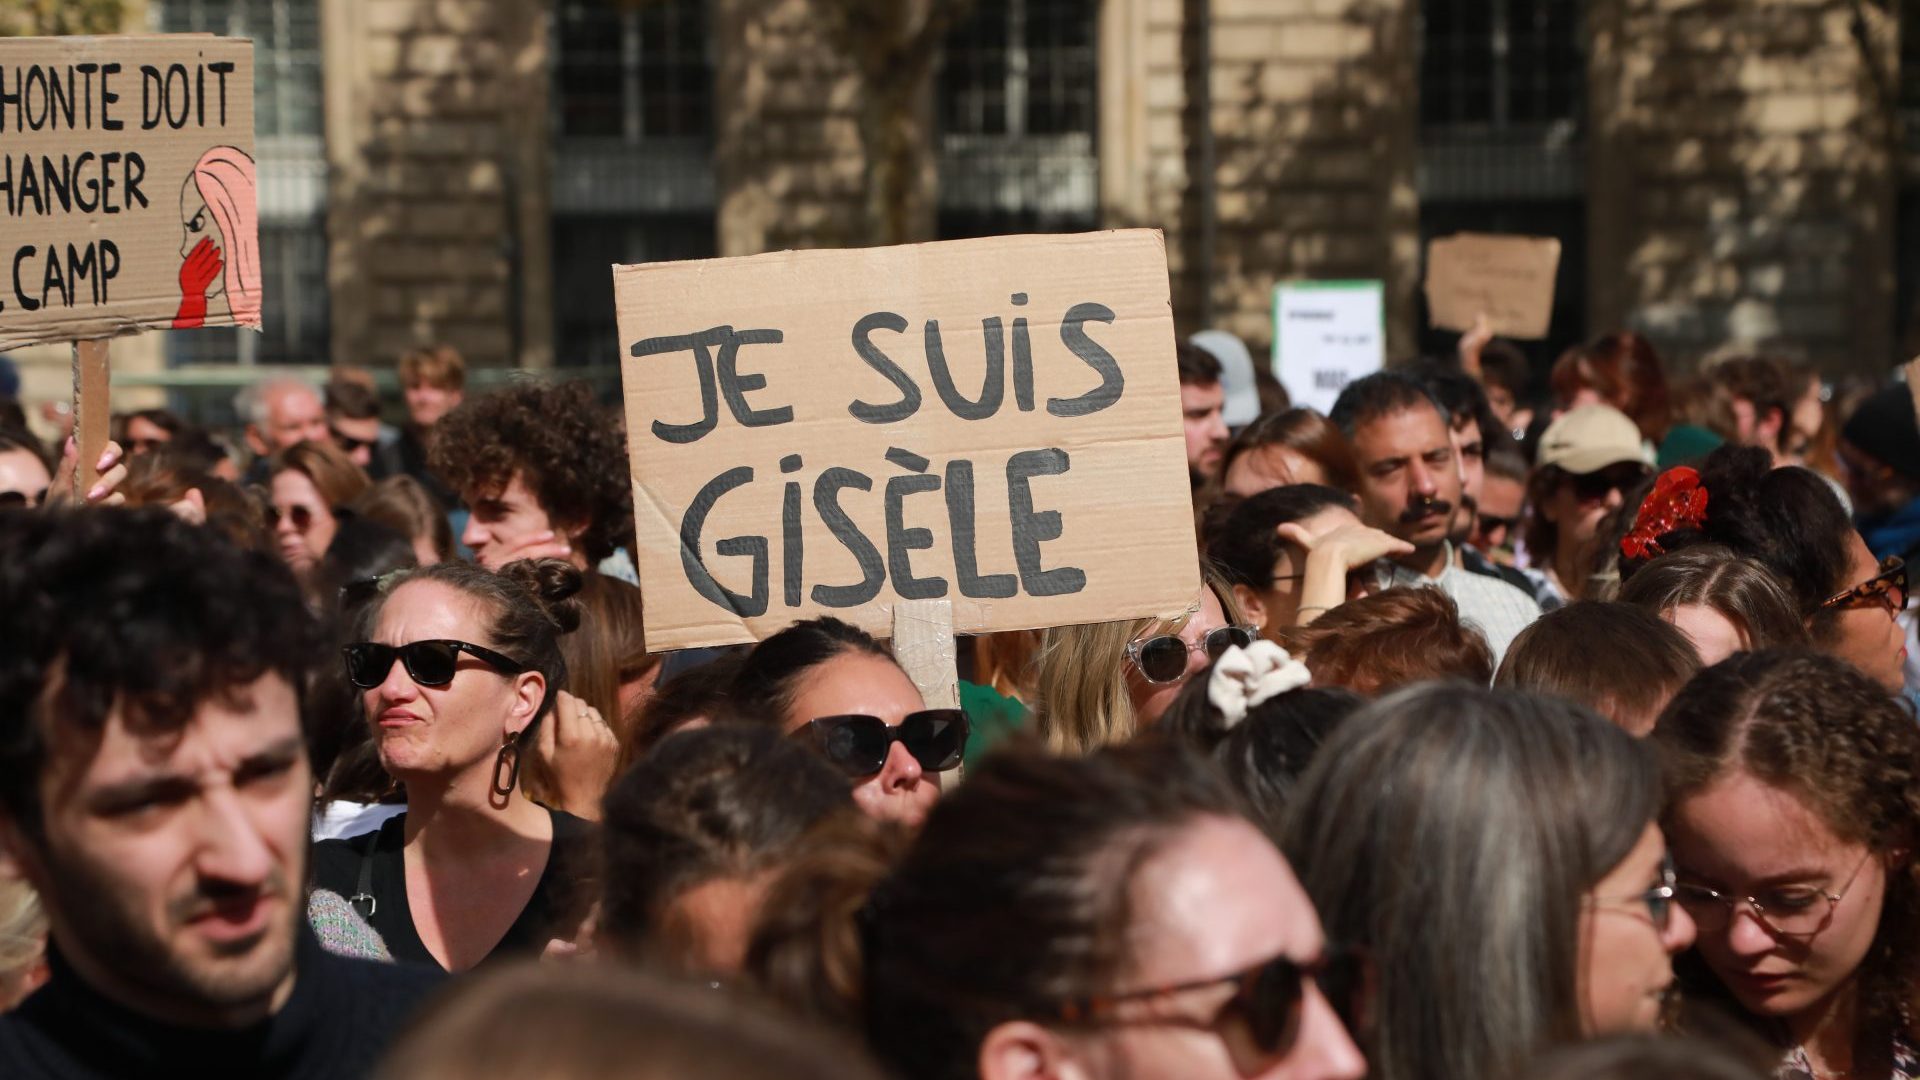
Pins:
<point x="554" y="584"/>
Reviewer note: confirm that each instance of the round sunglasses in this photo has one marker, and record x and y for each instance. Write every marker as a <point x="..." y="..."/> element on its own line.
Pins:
<point x="432" y="662"/>
<point x="859" y="745"/>
<point x="1267" y="1003"/>
<point x="1163" y="657"/>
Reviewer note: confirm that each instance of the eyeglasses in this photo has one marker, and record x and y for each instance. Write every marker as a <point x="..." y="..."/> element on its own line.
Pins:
<point x="347" y="442"/>
<point x="1887" y="589"/>
<point x="1595" y="486"/>
<point x="1163" y="658"/>
<point x="1659" y="899"/>
<point x="430" y="663"/>
<point x="1489" y="524"/>
<point x="1266" y="1005"/>
<point x="859" y="745"/>
<point x="301" y="516"/>
<point x="14" y="500"/>
<point x="1789" y="911"/>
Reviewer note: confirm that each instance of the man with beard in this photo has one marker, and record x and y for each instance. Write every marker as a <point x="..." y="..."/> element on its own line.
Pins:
<point x="1475" y="433"/>
<point x="154" y="790"/>
<point x="1409" y="487"/>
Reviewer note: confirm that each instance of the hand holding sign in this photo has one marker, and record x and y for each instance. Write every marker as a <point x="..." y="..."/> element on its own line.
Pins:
<point x="1508" y="279"/>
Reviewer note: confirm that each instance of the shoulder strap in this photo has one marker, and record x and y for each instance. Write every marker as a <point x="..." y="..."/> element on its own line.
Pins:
<point x="362" y="898"/>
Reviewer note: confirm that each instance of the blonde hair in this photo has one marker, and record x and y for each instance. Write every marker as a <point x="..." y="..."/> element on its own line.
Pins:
<point x="1081" y="698"/>
<point x="23" y="927"/>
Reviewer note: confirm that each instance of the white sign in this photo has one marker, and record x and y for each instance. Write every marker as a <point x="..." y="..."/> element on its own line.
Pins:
<point x="1325" y="335"/>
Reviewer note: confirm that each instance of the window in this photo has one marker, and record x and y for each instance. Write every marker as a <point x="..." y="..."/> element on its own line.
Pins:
<point x="1500" y="64"/>
<point x="633" y="163"/>
<point x="1017" y="99"/>
<point x="290" y="161"/>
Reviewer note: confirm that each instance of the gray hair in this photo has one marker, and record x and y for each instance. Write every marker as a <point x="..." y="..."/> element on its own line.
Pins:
<point x="1454" y="831"/>
<point x="250" y="404"/>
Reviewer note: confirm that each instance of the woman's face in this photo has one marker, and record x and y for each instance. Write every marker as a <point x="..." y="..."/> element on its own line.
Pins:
<point x="1150" y="699"/>
<point x="861" y="684"/>
<point x="1266" y="467"/>
<point x="1214" y="901"/>
<point x="1741" y="837"/>
<point x="452" y="729"/>
<point x="1576" y="518"/>
<point x="303" y="522"/>
<point x="197" y="223"/>
<point x="1626" y="956"/>
<point x="1868" y="637"/>
<point x="1713" y="635"/>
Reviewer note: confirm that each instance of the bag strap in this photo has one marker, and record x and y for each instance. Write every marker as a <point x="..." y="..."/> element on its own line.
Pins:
<point x="363" y="889"/>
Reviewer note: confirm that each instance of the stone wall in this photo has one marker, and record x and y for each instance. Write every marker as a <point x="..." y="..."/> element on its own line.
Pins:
<point x="1741" y="195"/>
<point x="438" y="149"/>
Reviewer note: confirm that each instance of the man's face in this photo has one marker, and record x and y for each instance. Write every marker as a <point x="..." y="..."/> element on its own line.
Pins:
<point x="505" y="523"/>
<point x="427" y="403"/>
<point x="174" y="865"/>
<point x="1409" y="483"/>
<point x="1470" y="451"/>
<point x="1206" y="432"/>
<point x="355" y="438"/>
<point x="1501" y="499"/>
<point x="294" y="415"/>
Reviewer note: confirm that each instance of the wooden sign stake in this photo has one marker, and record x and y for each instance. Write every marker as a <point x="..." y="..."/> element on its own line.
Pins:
<point x="923" y="646"/>
<point x="92" y="411"/>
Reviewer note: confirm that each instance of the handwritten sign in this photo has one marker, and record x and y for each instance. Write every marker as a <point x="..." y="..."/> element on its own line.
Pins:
<point x="1325" y="335"/>
<point x="126" y="186"/>
<point x="991" y="422"/>
<point x="1507" y="278"/>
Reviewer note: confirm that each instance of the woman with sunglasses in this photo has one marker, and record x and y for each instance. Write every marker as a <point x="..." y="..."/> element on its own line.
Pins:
<point x="1789" y="521"/>
<point x="837" y="688"/>
<point x="1498" y="855"/>
<point x="1106" y="916"/>
<point x="307" y="484"/>
<point x="459" y="667"/>
<point x="1589" y="459"/>
<point x="1098" y="684"/>
<point x="1794" y="783"/>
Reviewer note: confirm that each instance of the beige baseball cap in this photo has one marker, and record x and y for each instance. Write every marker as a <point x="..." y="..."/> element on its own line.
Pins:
<point x="1590" y="438"/>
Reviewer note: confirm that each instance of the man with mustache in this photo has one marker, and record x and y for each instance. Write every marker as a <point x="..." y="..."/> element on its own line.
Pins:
<point x="1409" y="486"/>
<point x="155" y="791"/>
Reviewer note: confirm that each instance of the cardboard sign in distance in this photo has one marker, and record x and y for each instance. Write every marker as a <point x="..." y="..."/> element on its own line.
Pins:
<point x="1326" y="334"/>
<point x="127" y="188"/>
<point x="992" y="422"/>
<point x="1507" y="278"/>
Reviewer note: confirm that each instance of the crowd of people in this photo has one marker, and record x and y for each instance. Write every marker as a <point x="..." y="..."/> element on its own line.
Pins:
<point x="1559" y="732"/>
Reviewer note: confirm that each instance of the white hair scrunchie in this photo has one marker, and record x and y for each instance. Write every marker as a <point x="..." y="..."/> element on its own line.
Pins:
<point x="1243" y="678"/>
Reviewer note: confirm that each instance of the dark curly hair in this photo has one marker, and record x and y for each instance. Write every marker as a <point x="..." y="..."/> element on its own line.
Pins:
<point x="570" y="452"/>
<point x="129" y="608"/>
<point x="1812" y="725"/>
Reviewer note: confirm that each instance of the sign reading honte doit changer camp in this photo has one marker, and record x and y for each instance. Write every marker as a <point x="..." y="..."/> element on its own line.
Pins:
<point x="126" y="186"/>
<point x="993" y="422"/>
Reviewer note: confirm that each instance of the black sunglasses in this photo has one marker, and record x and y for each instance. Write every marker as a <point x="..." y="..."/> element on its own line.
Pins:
<point x="1489" y="523"/>
<point x="430" y="663"/>
<point x="14" y="500"/>
<point x="1163" y="658"/>
<point x="348" y="443"/>
<point x="1268" y="1001"/>
<point x="1594" y="486"/>
<point x="859" y="744"/>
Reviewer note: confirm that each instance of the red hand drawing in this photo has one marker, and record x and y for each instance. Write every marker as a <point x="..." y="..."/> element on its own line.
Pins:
<point x="198" y="272"/>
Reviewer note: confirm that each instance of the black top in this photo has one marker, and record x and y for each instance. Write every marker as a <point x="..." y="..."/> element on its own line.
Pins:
<point x="336" y="866"/>
<point x="336" y="1024"/>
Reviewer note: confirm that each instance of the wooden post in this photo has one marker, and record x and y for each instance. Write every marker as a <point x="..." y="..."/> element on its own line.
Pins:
<point x="92" y="411"/>
<point x="923" y="645"/>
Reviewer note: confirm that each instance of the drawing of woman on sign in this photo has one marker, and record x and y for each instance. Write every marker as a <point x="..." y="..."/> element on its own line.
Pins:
<point x="220" y="274"/>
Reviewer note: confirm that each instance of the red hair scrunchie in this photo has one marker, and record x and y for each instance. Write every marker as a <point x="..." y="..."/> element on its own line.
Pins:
<point x="1677" y="501"/>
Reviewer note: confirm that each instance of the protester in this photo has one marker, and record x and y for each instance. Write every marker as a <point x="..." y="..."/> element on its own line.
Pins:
<point x="543" y="470"/>
<point x="1880" y="454"/>
<point x="405" y="505"/>
<point x="148" y="430"/>
<point x="690" y="700"/>
<point x="353" y="423"/>
<point x="1241" y="391"/>
<point x="473" y="868"/>
<point x="838" y="689"/>
<point x="310" y="483"/>
<point x="1589" y="459"/>
<point x="1096" y="684"/>
<point x="1409" y="487"/>
<point x="1391" y="639"/>
<point x="1723" y="603"/>
<point x="694" y="835"/>
<point x="279" y="412"/>
<point x="1292" y="553"/>
<point x="154" y="790"/>
<point x="1201" y="399"/>
<point x="1750" y="402"/>
<point x="1791" y="523"/>
<point x="1503" y="501"/>
<point x="1504" y="375"/>
<point x="26" y="472"/>
<point x="1794" y="788"/>
<point x="1498" y="855"/>
<point x="23" y="942"/>
<point x="1295" y="446"/>
<point x="609" y="671"/>
<point x="1621" y="661"/>
<point x="1102" y="916"/>
<point x="1475" y="432"/>
<point x="579" y="1022"/>
<point x="1619" y="369"/>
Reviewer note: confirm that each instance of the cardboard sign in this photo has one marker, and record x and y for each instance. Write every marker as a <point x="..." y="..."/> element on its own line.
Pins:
<point x="126" y="186"/>
<point x="1325" y="335"/>
<point x="1507" y="278"/>
<point x="991" y="422"/>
